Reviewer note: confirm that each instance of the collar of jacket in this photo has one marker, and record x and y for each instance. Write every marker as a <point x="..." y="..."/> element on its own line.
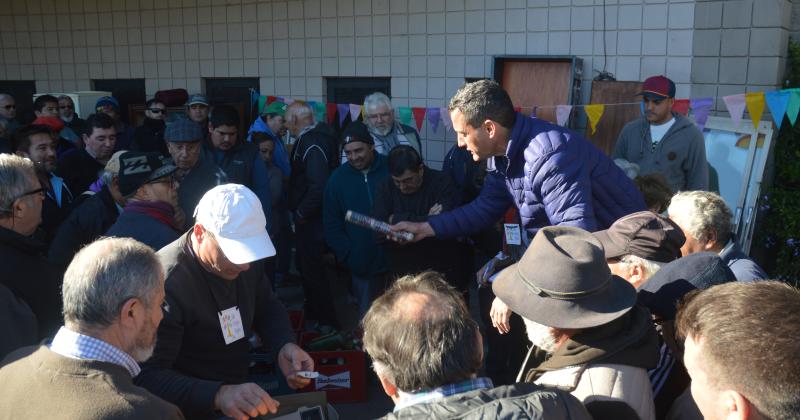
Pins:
<point x="26" y="244"/>
<point x="629" y="340"/>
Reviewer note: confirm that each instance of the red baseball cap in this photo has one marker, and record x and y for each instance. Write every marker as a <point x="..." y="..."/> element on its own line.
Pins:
<point x="658" y="87"/>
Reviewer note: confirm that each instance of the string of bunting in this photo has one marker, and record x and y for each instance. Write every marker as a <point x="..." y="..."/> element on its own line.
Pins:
<point x="785" y="102"/>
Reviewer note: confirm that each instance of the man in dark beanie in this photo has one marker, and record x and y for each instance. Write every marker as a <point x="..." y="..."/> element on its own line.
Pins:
<point x="352" y="187"/>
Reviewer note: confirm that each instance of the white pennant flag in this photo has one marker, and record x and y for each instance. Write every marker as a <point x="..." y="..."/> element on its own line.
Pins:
<point x="562" y="114"/>
<point x="355" y="111"/>
<point x="446" y="119"/>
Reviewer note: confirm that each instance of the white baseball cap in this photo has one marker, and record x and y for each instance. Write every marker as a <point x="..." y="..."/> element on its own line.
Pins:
<point x="234" y="215"/>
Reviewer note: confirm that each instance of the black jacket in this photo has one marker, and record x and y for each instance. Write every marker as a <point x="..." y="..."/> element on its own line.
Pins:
<point x="313" y="159"/>
<point x="204" y="176"/>
<point x="149" y="137"/>
<point x="31" y="278"/>
<point x="191" y="360"/>
<point x="517" y="401"/>
<point x="85" y="223"/>
<point x="447" y="256"/>
<point x="79" y="170"/>
<point x="53" y="214"/>
<point x="151" y="223"/>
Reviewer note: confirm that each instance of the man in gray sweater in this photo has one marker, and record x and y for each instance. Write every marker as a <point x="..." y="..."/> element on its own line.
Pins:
<point x="663" y="141"/>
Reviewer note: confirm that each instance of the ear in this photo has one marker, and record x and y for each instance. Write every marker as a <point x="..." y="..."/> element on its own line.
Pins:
<point x="736" y="405"/>
<point x="635" y="274"/>
<point x="490" y="127"/>
<point x="389" y="388"/>
<point x="711" y="240"/>
<point x="129" y="314"/>
<point x="199" y="233"/>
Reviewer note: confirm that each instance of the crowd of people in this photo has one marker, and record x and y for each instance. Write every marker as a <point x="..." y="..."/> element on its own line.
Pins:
<point x="141" y="264"/>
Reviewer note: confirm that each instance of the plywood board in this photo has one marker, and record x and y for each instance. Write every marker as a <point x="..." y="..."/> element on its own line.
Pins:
<point x="614" y="117"/>
<point x="536" y="83"/>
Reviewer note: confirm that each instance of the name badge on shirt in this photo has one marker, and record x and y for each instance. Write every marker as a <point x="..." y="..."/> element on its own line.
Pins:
<point x="231" y="322"/>
<point x="513" y="234"/>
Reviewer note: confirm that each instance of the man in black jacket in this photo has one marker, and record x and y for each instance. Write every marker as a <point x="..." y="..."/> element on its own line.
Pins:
<point x="216" y="294"/>
<point x="91" y="218"/>
<point x="427" y="350"/>
<point x="195" y="173"/>
<point x="81" y="167"/>
<point x="313" y="158"/>
<point x="240" y="160"/>
<point x="149" y="137"/>
<point x="412" y="193"/>
<point x="25" y="272"/>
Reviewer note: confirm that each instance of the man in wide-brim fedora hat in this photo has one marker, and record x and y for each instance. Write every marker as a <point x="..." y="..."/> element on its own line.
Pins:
<point x="591" y="337"/>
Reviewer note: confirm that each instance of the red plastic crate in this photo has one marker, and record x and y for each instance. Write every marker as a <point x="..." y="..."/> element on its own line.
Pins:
<point x="343" y="374"/>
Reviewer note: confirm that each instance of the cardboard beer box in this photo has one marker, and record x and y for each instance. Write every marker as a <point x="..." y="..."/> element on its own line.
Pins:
<point x="342" y="373"/>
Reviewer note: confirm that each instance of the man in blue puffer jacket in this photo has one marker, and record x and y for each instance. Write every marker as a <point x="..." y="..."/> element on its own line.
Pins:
<point x="551" y="174"/>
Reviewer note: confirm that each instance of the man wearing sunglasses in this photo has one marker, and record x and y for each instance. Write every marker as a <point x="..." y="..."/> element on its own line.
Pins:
<point x="149" y="137"/>
<point x="664" y="141"/>
<point x="66" y="109"/>
<point x="150" y="191"/>
<point x="35" y="284"/>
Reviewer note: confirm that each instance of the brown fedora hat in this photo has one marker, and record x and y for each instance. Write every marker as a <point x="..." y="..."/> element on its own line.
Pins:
<point x="563" y="281"/>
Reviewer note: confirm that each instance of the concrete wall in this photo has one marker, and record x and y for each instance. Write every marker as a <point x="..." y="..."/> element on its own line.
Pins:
<point x="427" y="47"/>
<point x="739" y="46"/>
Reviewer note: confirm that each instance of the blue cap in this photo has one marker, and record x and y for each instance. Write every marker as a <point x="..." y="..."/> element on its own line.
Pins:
<point x="183" y="130"/>
<point x="197" y="99"/>
<point x="107" y="100"/>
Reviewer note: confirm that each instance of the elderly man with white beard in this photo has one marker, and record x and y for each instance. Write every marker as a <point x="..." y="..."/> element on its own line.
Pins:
<point x="386" y="131"/>
<point x="589" y="335"/>
<point x="113" y="291"/>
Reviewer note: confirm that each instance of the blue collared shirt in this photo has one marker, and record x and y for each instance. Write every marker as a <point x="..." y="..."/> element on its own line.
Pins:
<point x="443" y="391"/>
<point x="68" y="343"/>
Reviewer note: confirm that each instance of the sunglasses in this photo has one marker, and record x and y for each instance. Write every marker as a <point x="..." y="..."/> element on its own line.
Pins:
<point x="156" y="110"/>
<point x="66" y="107"/>
<point x="10" y="107"/>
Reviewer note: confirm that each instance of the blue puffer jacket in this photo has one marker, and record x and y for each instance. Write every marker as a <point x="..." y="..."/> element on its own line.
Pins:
<point x="554" y="177"/>
<point x="349" y="189"/>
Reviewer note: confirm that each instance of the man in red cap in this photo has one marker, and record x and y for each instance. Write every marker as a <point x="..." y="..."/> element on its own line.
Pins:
<point x="664" y="141"/>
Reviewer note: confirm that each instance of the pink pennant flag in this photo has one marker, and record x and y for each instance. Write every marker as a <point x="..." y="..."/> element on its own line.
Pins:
<point x="434" y="118"/>
<point x="344" y="111"/>
<point x="562" y="114"/>
<point x="446" y="119"/>
<point x="355" y="111"/>
<point x="736" y="105"/>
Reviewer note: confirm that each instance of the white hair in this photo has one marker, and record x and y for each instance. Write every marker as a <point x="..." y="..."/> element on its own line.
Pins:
<point x="299" y="109"/>
<point x="650" y="267"/>
<point x="378" y="98"/>
<point x="702" y="214"/>
<point x="541" y="336"/>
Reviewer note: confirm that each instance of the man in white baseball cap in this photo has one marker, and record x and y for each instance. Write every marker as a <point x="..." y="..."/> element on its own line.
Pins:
<point x="216" y="293"/>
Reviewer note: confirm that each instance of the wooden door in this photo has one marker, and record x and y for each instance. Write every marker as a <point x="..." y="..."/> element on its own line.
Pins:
<point x="615" y="116"/>
<point x="536" y="83"/>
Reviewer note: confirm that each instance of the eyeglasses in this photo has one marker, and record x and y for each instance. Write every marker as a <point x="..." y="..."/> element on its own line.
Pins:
<point x="156" y="110"/>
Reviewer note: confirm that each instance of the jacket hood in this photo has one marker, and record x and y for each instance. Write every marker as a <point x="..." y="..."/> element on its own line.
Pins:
<point x="259" y="126"/>
<point x="631" y="340"/>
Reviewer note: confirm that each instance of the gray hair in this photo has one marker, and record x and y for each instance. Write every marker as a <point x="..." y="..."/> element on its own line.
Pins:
<point x="4" y="96"/>
<point x="15" y="173"/>
<point x="422" y="349"/>
<point x="108" y="178"/>
<point x="701" y="214"/>
<point x="299" y="109"/>
<point x="103" y="276"/>
<point x="650" y="267"/>
<point x="378" y="98"/>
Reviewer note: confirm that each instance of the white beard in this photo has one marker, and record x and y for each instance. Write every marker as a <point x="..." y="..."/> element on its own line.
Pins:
<point x="541" y="336"/>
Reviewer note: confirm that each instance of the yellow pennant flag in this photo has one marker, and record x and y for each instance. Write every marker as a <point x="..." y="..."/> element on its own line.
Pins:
<point x="755" y="106"/>
<point x="362" y="112"/>
<point x="594" y="112"/>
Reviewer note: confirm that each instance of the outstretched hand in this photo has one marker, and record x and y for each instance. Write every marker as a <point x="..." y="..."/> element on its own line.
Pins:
<point x="419" y="230"/>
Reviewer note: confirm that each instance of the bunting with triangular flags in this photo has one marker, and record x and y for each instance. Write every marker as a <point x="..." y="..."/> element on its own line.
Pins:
<point x="701" y="107"/>
<point x="735" y="105"/>
<point x="330" y="111"/>
<point x="562" y="114"/>
<point x="404" y="113"/>
<point x="434" y="117"/>
<point x="355" y="111"/>
<point x="594" y="112"/>
<point x="419" y="116"/>
<point x="755" y="106"/>
<point x="777" y="102"/>
<point x="446" y="119"/>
